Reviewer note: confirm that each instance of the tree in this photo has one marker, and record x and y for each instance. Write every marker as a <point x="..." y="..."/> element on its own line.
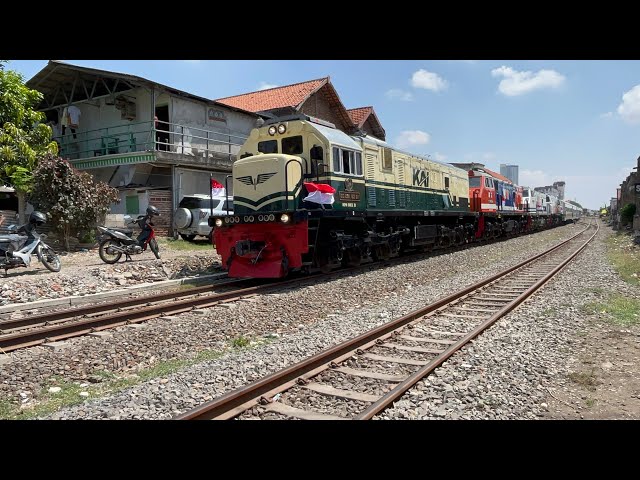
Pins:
<point x="627" y="212"/>
<point x="70" y="197"/>
<point x="23" y="136"/>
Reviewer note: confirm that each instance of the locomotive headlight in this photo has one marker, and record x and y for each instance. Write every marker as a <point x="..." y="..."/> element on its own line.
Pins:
<point x="251" y="219"/>
<point x="272" y="217"/>
<point x="272" y="130"/>
<point x="284" y="218"/>
<point x="218" y="222"/>
<point x="282" y="128"/>
<point x="236" y="219"/>
<point x="226" y="220"/>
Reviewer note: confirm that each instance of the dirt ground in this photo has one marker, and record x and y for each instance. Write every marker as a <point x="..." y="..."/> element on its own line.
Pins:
<point x="605" y="380"/>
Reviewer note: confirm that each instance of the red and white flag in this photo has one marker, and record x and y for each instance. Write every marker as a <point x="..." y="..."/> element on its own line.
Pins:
<point x="319" y="193"/>
<point x="217" y="189"/>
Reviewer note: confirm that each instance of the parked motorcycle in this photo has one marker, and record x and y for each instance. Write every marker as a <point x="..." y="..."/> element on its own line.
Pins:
<point x="17" y="246"/>
<point x="116" y="241"/>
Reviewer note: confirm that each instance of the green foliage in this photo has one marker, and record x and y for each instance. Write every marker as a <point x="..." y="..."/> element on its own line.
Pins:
<point x="71" y="198"/>
<point x="627" y="212"/>
<point x="23" y="136"/>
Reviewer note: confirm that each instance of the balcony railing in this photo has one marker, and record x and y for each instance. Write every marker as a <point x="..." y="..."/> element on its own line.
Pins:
<point x="145" y="137"/>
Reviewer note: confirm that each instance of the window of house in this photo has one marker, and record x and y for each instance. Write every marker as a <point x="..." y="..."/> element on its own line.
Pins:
<point x="292" y="145"/>
<point x="387" y="159"/>
<point x="268" y="146"/>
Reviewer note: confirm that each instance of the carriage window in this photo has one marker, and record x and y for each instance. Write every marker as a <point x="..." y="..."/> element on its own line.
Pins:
<point x="269" y="146"/>
<point x="292" y="145"/>
<point x="358" y="163"/>
<point x="387" y="162"/>
<point x="474" y="182"/>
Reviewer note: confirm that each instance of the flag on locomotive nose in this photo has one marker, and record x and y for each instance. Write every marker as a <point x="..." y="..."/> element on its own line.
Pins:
<point x="319" y="193"/>
<point x="217" y="189"/>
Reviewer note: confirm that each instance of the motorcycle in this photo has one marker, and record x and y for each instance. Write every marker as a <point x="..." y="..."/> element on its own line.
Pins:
<point x="116" y="241"/>
<point x="19" y="243"/>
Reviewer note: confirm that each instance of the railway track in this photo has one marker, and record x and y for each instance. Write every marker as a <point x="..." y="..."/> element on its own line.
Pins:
<point x="382" y="364"/>
<point x="33" y="330"/>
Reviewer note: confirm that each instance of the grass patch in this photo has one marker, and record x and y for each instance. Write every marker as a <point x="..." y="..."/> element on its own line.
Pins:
<point x="590" y="402"/>
<point x="584" y="379"/>
<point x="625" y="257"/>
<point x="182" y="245"/>
<point x="8" y="410"/>
<point x="620" y="309"/>
<point x="598" y="290"/>
<point x="240" y="342"/>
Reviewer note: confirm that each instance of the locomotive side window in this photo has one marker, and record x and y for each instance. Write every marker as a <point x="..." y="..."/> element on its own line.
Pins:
<point x="336" y="160"/>
<point x="446" y="183"/>
<point x="387" y="162"/>
<point x="268" y="146"/>
<point x="292" y="145"/>
<point x="347" y="161"/>
<point x="316" y="155"/>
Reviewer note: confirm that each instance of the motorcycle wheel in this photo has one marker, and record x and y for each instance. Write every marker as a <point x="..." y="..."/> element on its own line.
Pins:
<point x="105" y="255"/>
<point x="154" y="248"/>
<point x="50" y="260"/>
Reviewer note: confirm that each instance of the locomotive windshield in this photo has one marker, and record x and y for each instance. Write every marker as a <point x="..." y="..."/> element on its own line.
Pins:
<point x="474" y="182"/>
<point x="269" y="146"/>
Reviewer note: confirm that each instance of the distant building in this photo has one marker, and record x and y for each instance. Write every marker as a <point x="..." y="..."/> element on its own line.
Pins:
<point x="557" y="189"/>
<point x="510" y="171"/>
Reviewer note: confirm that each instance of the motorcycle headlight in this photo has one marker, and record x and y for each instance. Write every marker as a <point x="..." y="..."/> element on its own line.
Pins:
<point x="218" y="222"/>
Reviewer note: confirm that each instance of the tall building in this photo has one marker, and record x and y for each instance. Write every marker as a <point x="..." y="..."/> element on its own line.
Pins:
<point x="510" y="171"/>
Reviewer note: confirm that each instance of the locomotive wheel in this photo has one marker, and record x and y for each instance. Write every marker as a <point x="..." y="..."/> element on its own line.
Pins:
<point x="352" y="257"/>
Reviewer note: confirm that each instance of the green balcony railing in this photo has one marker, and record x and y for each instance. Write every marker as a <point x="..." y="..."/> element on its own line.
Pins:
<point x="145" y="136"/>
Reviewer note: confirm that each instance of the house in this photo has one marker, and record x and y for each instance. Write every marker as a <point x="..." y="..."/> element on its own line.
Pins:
<point x="153" y="142"/>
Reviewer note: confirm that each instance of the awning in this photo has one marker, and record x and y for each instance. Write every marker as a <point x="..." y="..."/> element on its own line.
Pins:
<point x="113" y="160"/>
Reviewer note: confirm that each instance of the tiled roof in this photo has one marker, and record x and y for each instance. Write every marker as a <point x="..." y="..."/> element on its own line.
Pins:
<point x="359" y="115"/>
<point x="272" y="98"/>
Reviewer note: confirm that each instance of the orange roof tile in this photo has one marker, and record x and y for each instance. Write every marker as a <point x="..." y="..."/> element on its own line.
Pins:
<point x="277" y="97"/>
<point x="359" y="115"/>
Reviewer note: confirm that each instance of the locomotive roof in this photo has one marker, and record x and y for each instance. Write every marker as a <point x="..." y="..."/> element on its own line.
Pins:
<point x="337" y="137"/>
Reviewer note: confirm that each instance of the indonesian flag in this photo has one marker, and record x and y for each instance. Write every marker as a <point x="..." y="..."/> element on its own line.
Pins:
<point x="319" y="193"/>
<point x="217" y="189"/>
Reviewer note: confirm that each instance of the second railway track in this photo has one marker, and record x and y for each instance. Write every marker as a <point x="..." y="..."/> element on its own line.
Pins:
<point x="392" y="358"/>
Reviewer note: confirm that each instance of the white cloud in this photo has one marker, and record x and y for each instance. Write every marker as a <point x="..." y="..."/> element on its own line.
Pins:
<point x="629" y="109"/>
<point x="439" y="157"/>
<point x="409" y="138"/>
<point x="517" y="83"/>
<point x="400" y="94"/>
<point x="534" y="178"/>
<point x="606" y="115"/>
<point x="428" y="81"/>
<point x="266" y="86"/>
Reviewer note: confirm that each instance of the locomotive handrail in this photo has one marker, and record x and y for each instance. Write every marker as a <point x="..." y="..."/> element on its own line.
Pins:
<point x="226" y="191"/>
<point x="286" y="180"/>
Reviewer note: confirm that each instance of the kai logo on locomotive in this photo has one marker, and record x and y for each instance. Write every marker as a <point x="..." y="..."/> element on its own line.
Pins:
<point x="420" y="177"/>
<point x="248" y="180"/>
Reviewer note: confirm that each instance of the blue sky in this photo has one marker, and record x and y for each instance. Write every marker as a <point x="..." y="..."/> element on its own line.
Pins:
<point x="577" y="121"/>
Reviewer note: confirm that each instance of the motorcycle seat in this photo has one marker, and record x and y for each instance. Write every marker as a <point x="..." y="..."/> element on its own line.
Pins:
<point x="126" y="231"/>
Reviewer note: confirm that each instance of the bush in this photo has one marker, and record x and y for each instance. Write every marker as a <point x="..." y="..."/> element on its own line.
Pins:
<point x="627" y="212"/>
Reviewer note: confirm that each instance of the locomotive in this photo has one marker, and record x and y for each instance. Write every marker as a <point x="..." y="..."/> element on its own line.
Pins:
<point x="307" y="196"/>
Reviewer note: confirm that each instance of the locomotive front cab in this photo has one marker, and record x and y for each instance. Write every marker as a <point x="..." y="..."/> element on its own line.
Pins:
<point x="268" y="233"/>
<point x="482" y="192"/>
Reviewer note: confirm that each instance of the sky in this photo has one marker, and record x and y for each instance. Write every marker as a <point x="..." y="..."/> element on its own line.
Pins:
<point x="577" y="121"/>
